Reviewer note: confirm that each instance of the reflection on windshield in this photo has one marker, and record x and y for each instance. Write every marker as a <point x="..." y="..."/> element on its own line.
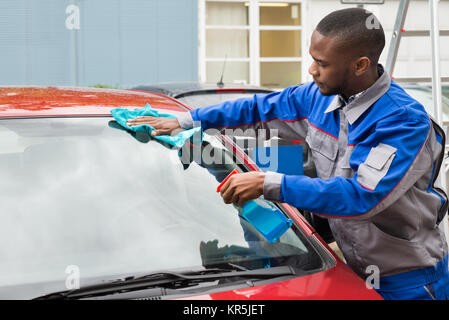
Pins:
<point x="84" y="193"/>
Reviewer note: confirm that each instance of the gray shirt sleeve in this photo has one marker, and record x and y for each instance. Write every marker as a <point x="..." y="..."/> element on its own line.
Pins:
<point x="185" y="120"/>
<point x="272" y="186"/>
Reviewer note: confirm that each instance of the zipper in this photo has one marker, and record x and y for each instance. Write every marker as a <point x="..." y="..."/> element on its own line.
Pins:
<point x="430" y="293"/>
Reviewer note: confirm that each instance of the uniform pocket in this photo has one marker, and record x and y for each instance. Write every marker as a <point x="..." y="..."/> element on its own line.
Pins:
<point x="324" y="150"/>
<point x="376" y="165"/>
<point x="400" y="254"/>
<point x="322" y="143"/>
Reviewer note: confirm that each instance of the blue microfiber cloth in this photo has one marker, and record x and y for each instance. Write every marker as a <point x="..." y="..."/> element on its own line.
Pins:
<point x="122" y="115"/>
<point x="266" y="218"/>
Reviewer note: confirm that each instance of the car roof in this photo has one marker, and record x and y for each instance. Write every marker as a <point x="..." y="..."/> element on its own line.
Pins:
<point x="176" y="89"/>
<point x="36" y="101"/>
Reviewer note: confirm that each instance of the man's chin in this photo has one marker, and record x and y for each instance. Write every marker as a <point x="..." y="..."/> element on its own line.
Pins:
<point x="325" y="92"/>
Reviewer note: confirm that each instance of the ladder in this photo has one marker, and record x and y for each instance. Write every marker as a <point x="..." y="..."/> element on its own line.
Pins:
<point x="436" y="79"/>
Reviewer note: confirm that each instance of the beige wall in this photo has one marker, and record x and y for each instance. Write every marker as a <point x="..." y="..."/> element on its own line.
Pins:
<point x="275" y="43"/>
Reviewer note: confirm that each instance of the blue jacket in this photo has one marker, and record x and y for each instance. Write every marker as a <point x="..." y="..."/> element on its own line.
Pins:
<point x="377" y="159"/>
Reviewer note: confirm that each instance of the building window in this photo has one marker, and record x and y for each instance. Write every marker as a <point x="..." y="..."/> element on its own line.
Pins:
<point x="256" y="42"/>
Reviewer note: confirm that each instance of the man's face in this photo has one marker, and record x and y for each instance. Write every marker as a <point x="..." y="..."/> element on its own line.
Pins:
<point x="331" y="69"/>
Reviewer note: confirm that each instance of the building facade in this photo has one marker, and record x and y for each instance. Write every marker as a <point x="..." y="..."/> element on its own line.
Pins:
<point x="122" y="43"/>
<point x="115" y="43"/>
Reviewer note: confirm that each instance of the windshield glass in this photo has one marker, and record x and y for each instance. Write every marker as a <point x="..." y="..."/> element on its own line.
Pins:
<point x="81" y="194"/>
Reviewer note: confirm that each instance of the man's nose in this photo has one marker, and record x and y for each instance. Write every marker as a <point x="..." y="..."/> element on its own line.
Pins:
<point x="313" y="70"/>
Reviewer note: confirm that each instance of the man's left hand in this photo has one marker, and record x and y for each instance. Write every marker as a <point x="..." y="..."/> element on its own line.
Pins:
<point x="243" y="187"/>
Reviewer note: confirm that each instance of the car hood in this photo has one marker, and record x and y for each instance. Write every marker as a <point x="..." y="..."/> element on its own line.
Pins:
<point x="336" y="283"/>
<point x="63" y="101"/>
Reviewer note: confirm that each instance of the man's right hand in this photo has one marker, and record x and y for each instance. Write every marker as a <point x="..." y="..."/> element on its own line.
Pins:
<point x="162" y="126"/>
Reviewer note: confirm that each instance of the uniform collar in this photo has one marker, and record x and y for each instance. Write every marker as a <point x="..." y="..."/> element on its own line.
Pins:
<point x="360" y="102"/>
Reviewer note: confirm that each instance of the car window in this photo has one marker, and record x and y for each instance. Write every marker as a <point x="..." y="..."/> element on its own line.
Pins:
<point x="424" y="96"/>
<point x="209" y="99"/>
<point x="83" y="192"/>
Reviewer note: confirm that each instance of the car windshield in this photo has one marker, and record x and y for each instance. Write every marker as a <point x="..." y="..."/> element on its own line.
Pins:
<point x="82" y="194"/>
<point x="209" y="99"/>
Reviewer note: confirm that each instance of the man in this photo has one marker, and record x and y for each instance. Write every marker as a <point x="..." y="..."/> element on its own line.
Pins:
<point x="376" y="151"/>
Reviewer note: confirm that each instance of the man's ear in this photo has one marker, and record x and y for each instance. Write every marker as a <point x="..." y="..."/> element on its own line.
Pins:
<point x="361" y="65"/>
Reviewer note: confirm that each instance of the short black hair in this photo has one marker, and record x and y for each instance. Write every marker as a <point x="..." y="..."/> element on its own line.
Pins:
<point x="358" y="29"/>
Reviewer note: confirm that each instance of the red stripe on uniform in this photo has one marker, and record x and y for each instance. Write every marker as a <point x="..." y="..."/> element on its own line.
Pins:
<point x="323" y="131"/>
<point x="248" y="124"/>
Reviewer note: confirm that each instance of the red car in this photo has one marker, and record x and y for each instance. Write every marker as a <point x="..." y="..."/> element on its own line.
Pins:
<point x="93" y="211"/>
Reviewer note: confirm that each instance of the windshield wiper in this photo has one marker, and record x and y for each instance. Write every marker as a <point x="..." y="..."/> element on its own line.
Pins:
<point x="172" y="280"/>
